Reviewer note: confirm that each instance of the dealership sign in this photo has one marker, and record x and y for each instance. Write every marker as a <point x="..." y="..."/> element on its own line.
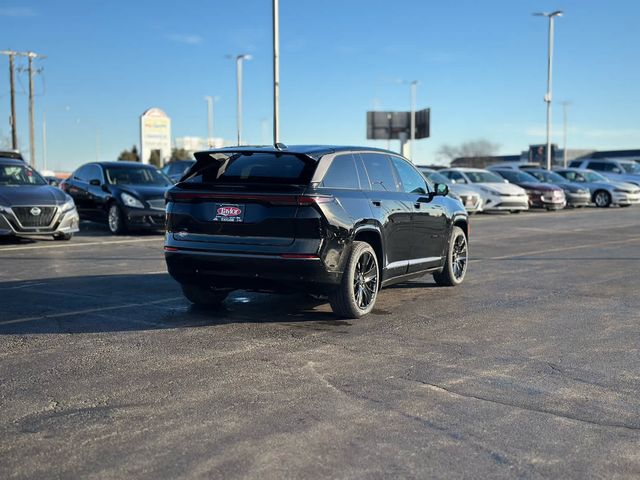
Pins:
<point x="155" y="134"/>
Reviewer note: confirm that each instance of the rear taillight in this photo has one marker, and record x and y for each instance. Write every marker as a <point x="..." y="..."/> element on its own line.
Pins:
<point x="314" y="199"/>
<point x="301" y="200"/>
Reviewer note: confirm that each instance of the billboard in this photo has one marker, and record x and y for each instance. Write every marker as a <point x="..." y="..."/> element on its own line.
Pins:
<point x="538" y="153"/>
<point x="394" y="125"/>
<point x="155" y="134"/>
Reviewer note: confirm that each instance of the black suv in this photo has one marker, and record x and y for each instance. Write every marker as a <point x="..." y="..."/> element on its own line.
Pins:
<point x="336" y="221"/>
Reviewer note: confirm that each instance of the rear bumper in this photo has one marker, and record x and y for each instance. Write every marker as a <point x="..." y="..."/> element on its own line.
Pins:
<point x="62" y="223"/>
<point x="247" y="271"/>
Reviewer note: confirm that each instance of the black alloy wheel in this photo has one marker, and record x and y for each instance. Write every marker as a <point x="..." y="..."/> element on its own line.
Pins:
<point x="358" y="290"/>
<point x="455" y="267"/>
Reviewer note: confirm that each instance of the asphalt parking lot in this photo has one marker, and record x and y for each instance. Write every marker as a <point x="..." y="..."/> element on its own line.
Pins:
<point x="530" y="369"/>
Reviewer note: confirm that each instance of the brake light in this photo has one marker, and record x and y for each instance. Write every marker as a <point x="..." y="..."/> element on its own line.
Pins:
<point x="170" y="249"/>
<point x="314" y="199"/>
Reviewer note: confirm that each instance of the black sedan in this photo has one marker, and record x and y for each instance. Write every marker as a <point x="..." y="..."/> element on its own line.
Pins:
<point x="124" y="195"/>
<point x="577" y="195"/>
<point x="30" y="206"/>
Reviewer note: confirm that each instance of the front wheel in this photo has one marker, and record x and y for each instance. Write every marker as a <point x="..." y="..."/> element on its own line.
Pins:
<point x="204" y="296"/>
<point x="602" y="199"/>
<point x="358" y="289"/>
<point x="116" y="220"/>
<point x="455" y="267"/>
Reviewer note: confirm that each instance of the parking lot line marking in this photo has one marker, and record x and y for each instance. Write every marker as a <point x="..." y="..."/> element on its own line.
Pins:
<point x="87" y="244"/>
<point x="564" y="249"/>
<point x="88" y="310"/>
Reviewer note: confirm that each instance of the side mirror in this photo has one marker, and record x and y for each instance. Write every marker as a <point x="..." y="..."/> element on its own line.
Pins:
<point x="441" y="189"/>
<point x="95" y="182"/>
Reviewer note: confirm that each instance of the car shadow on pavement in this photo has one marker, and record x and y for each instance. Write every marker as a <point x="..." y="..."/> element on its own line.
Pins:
<point x="115" y="303"/>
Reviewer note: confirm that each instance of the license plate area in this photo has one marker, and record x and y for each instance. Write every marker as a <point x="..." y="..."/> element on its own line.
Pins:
<point x="228" y="213"/>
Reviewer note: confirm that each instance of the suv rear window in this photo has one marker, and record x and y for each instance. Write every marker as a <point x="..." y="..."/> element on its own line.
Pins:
<point x="243" y="167"/>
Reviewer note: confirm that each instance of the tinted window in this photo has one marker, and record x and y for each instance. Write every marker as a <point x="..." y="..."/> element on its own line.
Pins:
<point x="82" y="173"/>
<point x="412" y="181"/>
<point x="575" y="163"/>
<point x="342" y="173"/>
<point x="484" y="176"/>
<point x="380" y="172"/>
<point x="516" y="176"/>
<point x="602" y="166"/>
<point x="457" y="176"/>
<point x="136" y="176"/>
<point x="93" y="172"/>
<point x="436" y="177"/>
<point x="240" y="168"/>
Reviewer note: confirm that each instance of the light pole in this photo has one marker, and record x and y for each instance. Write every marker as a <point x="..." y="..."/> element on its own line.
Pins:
<point x="564" y="132"/>
<point x="276" y="72"/>
<point x="239" y="59"/>
<point x="210" y="101"/>
<point x="414" y="91"/>
<point x="547" y="97"/>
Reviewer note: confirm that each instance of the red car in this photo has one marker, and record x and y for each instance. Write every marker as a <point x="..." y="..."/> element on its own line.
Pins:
<point x="541" y="195"/>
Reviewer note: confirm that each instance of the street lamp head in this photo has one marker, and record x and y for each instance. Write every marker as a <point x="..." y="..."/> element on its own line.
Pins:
<point x="557" y="13"/>
<point x="244" y="56"/>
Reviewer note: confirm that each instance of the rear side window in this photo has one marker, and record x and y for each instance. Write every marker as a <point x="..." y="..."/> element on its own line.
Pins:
<point x="242" y="168"/>
<point x="575" y="163"/>
<point x="603" y="167"/>
<point x="342" y="173"/>
<point x="380" y="172"/>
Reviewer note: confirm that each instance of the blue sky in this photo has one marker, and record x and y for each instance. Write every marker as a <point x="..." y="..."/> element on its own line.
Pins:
<point x="481" y="67"/>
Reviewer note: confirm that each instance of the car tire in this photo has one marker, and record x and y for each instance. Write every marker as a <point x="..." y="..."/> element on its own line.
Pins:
<point x="358" y="290"/>
<point x="625" y="205"/>
<point x="515" y="211"/>
<point x="456" y="262"/>
<point x="203" y="295"/>
<point x="602" y="198"/>
<point x="116" y="220"/>
<point x="63" y="236"/>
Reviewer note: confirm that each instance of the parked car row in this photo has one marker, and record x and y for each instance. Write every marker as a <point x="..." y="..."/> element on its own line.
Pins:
<point x="529" y="186"/>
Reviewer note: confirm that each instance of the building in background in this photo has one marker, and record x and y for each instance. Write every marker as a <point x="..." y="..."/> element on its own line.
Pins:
<point x="195" y="144"/>
<point x="155" y="137"/>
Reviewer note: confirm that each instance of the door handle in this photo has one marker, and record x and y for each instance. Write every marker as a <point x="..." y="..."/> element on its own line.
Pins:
<point x="376" y="203"/>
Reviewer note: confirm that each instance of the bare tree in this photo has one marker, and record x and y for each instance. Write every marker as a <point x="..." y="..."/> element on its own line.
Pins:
<point x="480" y="148"/>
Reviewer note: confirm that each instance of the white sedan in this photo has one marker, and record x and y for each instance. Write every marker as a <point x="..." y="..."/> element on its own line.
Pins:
<point x="498" y="194"/>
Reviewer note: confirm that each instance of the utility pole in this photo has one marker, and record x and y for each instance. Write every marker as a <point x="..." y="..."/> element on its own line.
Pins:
<point x="276" y="72"/>
<point x="44" y="140"/>
<point x="32" y="142"/>
<point x="14" y="133"/>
